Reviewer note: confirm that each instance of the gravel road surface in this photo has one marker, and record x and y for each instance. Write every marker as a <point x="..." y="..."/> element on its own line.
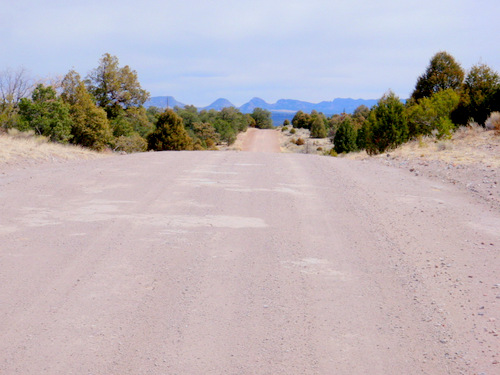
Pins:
<point x="244" y="263"/>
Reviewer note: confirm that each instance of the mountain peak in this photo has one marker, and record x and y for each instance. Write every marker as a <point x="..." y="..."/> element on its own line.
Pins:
<point x="220" y="104"/>
<point x="254" y="103"/>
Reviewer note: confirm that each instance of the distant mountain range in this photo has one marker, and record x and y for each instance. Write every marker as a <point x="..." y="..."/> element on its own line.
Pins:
<point x="281" y="110"/>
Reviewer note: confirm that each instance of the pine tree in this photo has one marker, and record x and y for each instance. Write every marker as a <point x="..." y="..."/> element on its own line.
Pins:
<point x="170" y="134"/>
<point x="388" y="125"/>
<point x="90" y="124"/>
<point x="442" y="73"/>
<point x="345" y="137"/>
<point x="479" y="95"/>
<point x="90" y="127"/>
<point x="318" y="129"/>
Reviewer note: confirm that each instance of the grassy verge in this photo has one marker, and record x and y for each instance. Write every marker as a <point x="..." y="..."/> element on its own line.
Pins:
<point x="17" y="147"/>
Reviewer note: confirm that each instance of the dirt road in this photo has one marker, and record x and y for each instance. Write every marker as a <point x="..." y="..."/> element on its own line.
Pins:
<point x="260" y="140"/>
<point x="244" y="263"/>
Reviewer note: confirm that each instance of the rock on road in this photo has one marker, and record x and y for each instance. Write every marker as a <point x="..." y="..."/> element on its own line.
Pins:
<point x="244" y="263"/>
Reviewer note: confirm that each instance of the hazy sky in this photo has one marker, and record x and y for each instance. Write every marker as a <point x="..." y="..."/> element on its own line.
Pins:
<point x="200" y="50"/>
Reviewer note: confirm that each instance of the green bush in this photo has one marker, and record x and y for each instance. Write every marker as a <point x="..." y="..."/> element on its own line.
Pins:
<point x="480" y="95"/>
<point x="345" y="138"/>
<point x="332" y="152"/>
<point x="292" y="131"/>
<point x="388" y="126"/>
<point x="300" y="142"/>
<point x="318" y="129"/>
<point x="444" y="128"/>
<point x="169" y="134"/>
<point x="46" y="114"/>
<point x="424" y="117"/>
<point x="130" y="144"/>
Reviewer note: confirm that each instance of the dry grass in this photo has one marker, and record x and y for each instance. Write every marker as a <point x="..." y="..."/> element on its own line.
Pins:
<point x="19" y="148"/>
<point x="469" y="145"/>
<point x="493" y="122"/>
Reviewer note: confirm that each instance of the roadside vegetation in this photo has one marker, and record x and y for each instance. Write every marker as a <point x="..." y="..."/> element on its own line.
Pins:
<point x="445" y="98"/>
<point x="105" y="111"/>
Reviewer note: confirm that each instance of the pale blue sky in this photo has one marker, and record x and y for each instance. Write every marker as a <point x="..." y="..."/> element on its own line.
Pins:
<point x="200" y="50"/>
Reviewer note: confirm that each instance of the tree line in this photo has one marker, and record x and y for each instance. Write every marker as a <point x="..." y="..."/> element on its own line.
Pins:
<point x="106" y="110"/>
<point x="444" y="98"/>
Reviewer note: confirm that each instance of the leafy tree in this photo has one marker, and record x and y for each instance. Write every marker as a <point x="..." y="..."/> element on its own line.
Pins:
<point x="170" y="134"/>
<point x="301" y="120"/>
<point x="262" y="118"/>
<point x="70" y="85"/>
<point x="345" y="137"/>
<point x="362" y="135"/>
<point x="318" y="129"/>
<point x="286" y="122"/>
<point x="47" y="114"/>
<point x="225" y="130"/>
<point x="208" y="116"/>
<point x="189" y="115"/>
<point x="250" y="120"/>
<point x="139" y="120"/>
<point x="206" y="133"/>
<point x="9" y="116"/>
<point x="115" y="88"/>
<point x="14" y="85"/>
<point x="121" y="125"/>
<point x="238" y="120"/>
<point x="91" y="127"/>
<point x="335" y="120"/>
<point x="153" y="113"/>
<point x="442" y="73"/>
<point x="388" y="125"/>
<point x="226" y="123"/>
<point x="479" y="95"/>
<point x="444" y="128"/>
<point x="360" y="115"/>
<point x="426" y="116"/>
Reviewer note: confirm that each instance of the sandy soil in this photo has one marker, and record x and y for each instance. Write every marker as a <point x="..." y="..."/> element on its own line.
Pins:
<point x="244" y="263"/>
